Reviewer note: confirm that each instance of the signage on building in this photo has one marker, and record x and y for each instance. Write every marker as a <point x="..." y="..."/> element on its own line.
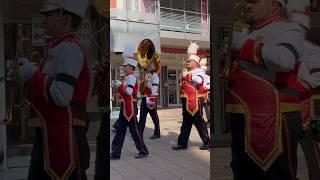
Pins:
<point x="38" y="37"/>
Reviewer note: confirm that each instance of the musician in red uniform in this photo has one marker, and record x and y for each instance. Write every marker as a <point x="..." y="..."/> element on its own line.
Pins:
<point x="59" y="91"/>
<point x="128" y="89"/>
<point x="307" y="80"/>
<point x="264" y="111"/>
<point x="206" y="85"/>
<point x="192" y="96"/>
<point x="149" y="101"/>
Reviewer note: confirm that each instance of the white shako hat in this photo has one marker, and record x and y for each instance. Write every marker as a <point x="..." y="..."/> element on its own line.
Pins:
<point x="76" y="7"/>
<point x="128" y="56"/>
<point x="298" y="12"/>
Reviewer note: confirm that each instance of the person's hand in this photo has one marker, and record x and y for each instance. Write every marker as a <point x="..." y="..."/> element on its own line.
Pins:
<point x="151" y="101"/>
<point x="27" y="70"/>
<point x="239" y="36"/>
<point x="184" y="74"/>
<point x="117" y="83"/>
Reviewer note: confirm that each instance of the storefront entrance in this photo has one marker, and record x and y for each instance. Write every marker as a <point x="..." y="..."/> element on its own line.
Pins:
<point x="173" y="84"/>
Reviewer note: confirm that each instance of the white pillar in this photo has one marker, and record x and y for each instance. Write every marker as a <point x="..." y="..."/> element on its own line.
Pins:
<point x="133" y="5"/>
<point x="3" y="137"/>
<point x="111" y="89"/>
<point x="121" y="4"/>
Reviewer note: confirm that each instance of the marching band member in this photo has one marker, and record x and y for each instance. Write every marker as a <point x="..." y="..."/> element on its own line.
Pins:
<point x="206" y="85"/>
<point x="59" y="92"/>
<point x="128" y="89"/>
<point x="307" y="80"/>
<point x="264" y="116"/>
<point x="149" y="101"/>
<point x="192" y="97"/>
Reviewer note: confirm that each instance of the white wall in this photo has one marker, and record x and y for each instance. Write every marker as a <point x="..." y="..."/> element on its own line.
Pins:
<point x="176" y="42"/>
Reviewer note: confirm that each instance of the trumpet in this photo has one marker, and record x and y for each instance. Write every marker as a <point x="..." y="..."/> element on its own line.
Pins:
<point x="238" y="21"/>
<point x="23" y="49"/>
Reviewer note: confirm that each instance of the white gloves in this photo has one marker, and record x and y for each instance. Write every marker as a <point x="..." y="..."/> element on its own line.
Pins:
<point x="27" y="70"/>
<point x="118" y="83"/>
<point x="239" y="37"/>
<point x="150" y="101"/>
<point x="184" y="73"/>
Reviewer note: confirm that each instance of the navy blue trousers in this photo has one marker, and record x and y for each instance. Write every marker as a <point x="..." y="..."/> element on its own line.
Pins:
<point x="187" y="122"/>
<point x="122" y="125"/>
<point x="144" y="110"/>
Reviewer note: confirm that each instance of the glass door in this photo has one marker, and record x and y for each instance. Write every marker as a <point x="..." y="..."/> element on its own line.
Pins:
<point x="173" y="87"/>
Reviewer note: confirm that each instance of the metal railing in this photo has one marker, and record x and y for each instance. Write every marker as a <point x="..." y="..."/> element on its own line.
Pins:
<point x="169" y="19"/>
<point x="184" y="21"/>
<point x="152" y="8"/>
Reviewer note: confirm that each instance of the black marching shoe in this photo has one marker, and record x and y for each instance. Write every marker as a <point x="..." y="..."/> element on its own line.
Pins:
<point x="204" y="147"/>
<point x="179" y="147"/>
<point x="114" y="157"/>
<point x="155" y="136"/>
<point x="141" y="155"/>
<point x="115" y="128"/>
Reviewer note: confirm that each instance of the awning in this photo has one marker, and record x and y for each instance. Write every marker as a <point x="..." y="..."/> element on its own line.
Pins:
<point x="166" y="50"/>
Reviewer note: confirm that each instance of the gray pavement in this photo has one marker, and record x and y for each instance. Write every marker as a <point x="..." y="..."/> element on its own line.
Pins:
<point x="163" y="163"/>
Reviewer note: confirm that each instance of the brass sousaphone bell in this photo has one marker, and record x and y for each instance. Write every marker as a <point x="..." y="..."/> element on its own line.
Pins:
<point x="146" y="57"/>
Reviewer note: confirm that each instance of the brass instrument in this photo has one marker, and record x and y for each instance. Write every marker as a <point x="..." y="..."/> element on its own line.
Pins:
<point x="118" y="76"/>
<point x="146" y="57"/>
<point x="23" y="49"/>
<point x="101" y="83"/>
<point x="238" y="22"/>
